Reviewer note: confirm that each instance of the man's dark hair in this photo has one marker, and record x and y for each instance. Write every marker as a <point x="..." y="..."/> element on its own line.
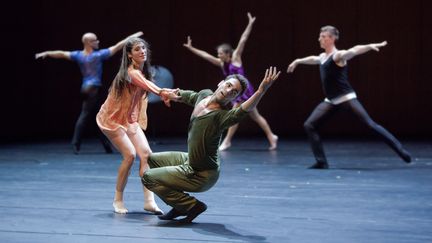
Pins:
<point x="243" y="82"/>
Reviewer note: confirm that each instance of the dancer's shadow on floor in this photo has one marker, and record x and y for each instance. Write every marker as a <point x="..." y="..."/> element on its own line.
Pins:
<point x="131" y="216"/>
<point x="212" y="229"/>
<point x="381" y="168"/>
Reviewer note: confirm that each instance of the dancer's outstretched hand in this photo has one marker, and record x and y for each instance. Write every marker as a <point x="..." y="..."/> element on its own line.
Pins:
<point x="168" y="95"/>
<point x="377" y="46"/>
<point x="291" y="67"/>
<point x="40" y="55"/>
<point x="251" y="19"/>
<point x="270" y="76"/>
<point x="188" y="44"/>
<point x="137" y="34"/>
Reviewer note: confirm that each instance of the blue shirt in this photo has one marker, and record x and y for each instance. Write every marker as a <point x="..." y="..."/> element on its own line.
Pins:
<point x="91" y="65"/>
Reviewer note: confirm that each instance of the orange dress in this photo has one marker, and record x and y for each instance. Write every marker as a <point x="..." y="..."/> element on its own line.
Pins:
<point x="129" y="112"/>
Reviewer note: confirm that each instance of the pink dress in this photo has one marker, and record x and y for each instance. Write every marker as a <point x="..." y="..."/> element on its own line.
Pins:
<point x="127" y="113"/>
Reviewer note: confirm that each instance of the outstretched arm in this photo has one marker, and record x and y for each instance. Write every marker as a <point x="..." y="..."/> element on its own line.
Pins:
<point x="310" y="60"/>
<point x="214" y="60"/>
<point x="117" y="47"/>
<point x="54" y="54"/>
<point x="139" y="80"/>
<point x="244" y="37"/>
<point x="270" y="76"/>
<point x="345" y="55"/>
<point x="187" y="97"/>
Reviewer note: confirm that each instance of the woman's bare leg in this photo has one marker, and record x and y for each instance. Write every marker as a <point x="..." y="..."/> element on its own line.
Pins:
<point x="143" y="150"/>
<point x="123" y="144"/>
<point x="262" y="122"/>
<point x="226" y="143"/>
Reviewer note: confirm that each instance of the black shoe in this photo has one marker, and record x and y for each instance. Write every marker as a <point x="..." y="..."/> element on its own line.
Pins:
<point x="196" y="210"/>
<point x="319" y="165"/>
<point x="76" y="148"/>
<point x="406" y="156"/>
<point x="172" y="214"/>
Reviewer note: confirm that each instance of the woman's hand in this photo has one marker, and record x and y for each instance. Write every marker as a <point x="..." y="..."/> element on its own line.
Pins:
<point x="168" y="95"/>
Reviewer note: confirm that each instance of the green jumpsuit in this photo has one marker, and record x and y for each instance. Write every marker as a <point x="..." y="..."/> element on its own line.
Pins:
<point x="172" y="174"/>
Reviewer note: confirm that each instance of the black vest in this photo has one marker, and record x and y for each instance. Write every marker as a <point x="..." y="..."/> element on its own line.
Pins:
<point x="334" y="79"/>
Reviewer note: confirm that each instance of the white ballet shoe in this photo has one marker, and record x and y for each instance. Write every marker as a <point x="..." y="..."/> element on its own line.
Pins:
<point x="119" y="207"/>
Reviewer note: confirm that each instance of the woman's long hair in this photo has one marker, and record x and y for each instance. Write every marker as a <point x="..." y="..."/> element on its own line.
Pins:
<point x="122" y="78"/>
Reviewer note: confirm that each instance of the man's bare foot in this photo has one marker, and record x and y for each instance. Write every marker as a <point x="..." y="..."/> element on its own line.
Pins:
<point x="273" y="142"/>
<point x="224" y="146"/>
<point x="119" y="207"/>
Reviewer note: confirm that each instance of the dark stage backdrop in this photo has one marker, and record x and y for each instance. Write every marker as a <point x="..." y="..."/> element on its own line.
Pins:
<point x="40" y="99"/>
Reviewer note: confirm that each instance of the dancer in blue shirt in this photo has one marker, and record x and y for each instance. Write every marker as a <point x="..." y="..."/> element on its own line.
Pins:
<point x="90" y="61"/>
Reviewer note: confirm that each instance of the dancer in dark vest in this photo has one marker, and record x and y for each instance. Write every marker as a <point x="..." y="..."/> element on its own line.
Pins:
<point x="339" y="93"/>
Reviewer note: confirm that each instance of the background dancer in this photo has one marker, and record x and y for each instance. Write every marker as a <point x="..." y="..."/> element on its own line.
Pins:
<point x="339" y="93"/>
<point x="231" y="63"/>
<point x="90" y="61"/>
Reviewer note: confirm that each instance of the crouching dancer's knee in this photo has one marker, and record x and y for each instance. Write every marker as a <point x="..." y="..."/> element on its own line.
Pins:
<point x="147" y="180"/>
<point x="151" y="160"/>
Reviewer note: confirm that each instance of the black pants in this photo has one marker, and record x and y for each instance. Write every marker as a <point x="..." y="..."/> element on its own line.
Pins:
<point x="324" y="110"/>
<point x="90" y="106"/>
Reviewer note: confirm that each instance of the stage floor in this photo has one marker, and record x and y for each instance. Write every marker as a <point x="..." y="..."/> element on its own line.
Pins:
<point x="48" y="194"/>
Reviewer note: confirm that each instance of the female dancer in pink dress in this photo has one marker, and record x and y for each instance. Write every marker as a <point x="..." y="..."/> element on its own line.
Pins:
<point x="123" y="115"/>
<point x="231" y="63"/>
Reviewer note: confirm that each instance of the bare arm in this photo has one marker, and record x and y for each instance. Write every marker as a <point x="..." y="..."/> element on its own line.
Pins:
<point x="139" y="80"/>
<point x="345" y="55"/>
<point x="244" y="37"/>
<point x="270" y="76"/>
<point x="117" y="47"/>
<point x="310" y="60"/>
<point x="213" y="60"/>
<point x="54" y="54"/>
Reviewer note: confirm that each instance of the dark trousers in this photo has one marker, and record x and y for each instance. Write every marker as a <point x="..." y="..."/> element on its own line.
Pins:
<point x="324" y="110"/>
<point x="90" y="107"/>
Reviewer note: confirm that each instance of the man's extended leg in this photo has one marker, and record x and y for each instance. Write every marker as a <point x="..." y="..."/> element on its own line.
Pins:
<point x="356" y="107"/>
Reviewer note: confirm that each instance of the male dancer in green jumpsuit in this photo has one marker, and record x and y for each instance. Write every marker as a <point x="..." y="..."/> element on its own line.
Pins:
<point x="172" y="174"/>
